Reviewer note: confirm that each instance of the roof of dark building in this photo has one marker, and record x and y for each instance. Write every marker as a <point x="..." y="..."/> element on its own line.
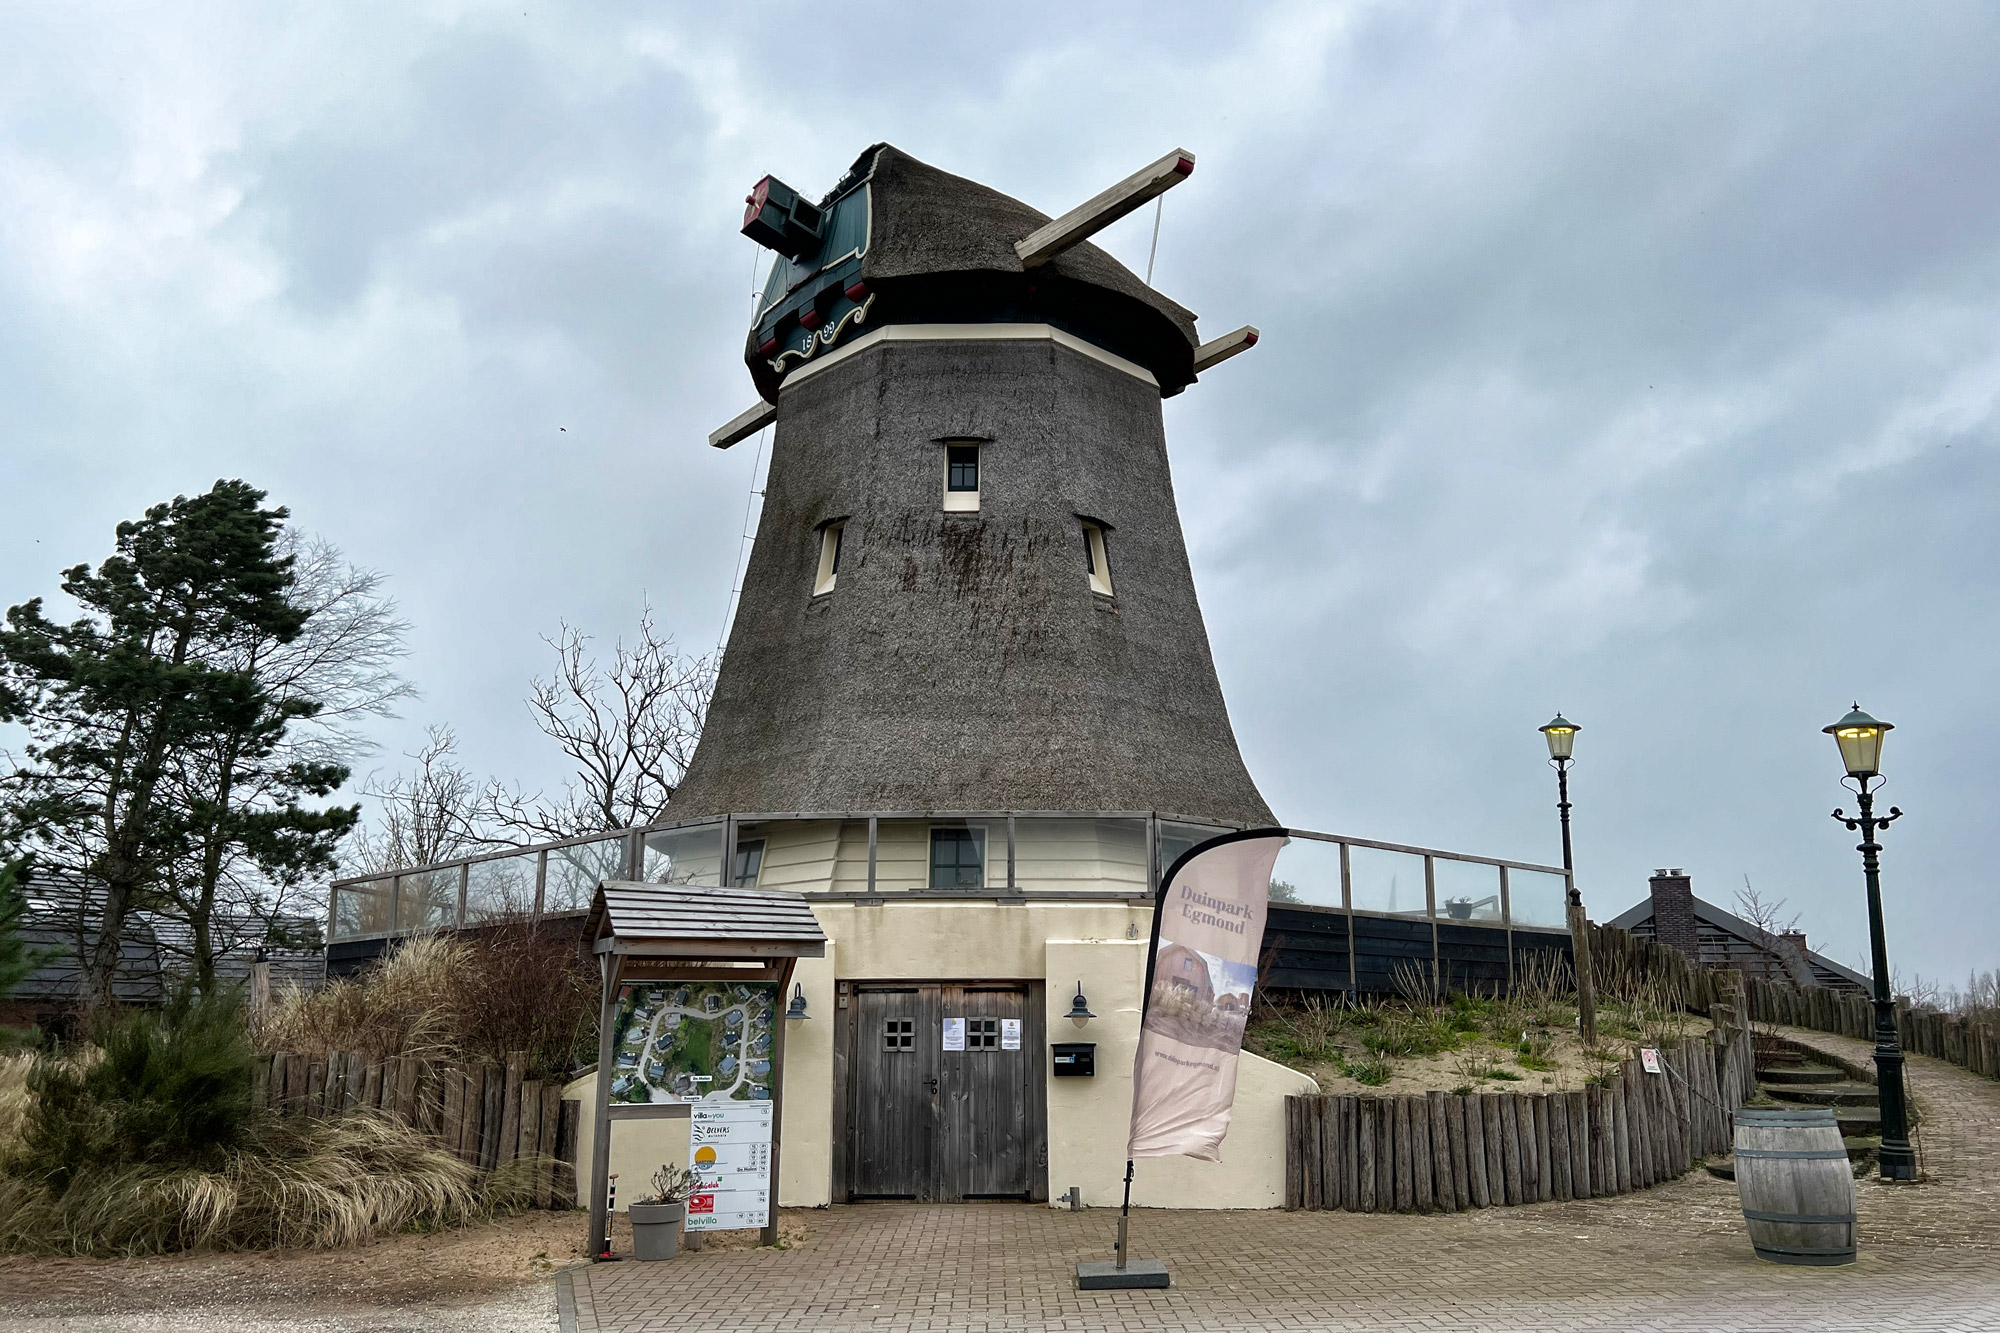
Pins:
<point x="157" y="951"/>
<point x="1728" y="940"/>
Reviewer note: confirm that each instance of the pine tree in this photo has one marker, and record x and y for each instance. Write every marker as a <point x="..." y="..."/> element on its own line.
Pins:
<point x="17" y="960"/>
<point x="129" y="704"/>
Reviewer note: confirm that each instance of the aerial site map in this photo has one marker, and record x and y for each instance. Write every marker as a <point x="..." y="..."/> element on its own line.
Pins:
<point x="693" y="1041"/>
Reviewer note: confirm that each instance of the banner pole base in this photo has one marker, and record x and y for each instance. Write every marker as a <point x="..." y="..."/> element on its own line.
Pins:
<point x="1124" y="1273"/>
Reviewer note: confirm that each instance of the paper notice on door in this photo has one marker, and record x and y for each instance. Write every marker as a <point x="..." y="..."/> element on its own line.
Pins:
<point x="954" y="1034"/>
<point x="1010" y="1034"/>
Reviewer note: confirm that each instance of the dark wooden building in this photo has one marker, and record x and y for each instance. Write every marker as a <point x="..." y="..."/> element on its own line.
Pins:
<point x="1671" y="914"/>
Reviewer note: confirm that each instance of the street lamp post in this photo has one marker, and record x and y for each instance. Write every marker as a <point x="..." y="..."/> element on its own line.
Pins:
<point x="1860" y="739"/>
<point x="1560" y="733"/>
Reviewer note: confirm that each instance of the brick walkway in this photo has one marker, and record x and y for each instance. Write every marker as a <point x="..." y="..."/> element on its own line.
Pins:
<point x="1671" y="1258"/>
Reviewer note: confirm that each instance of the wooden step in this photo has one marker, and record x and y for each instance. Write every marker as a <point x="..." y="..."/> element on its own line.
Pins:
<point x="1801" y="1074"/>
<point x="1825" y="1094"/>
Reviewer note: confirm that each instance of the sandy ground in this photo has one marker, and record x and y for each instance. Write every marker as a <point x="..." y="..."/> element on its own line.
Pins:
<point x="497" y="1276"/>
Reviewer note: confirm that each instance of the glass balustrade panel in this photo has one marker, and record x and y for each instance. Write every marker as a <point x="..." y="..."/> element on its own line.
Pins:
<point x="1308" y="873"/>
<point x="502" y="889"/>
<point x="1388" y="882"/>
<point x="575" y="871"/>
<point x="683" y="856"/>
<point x="427" y="900"/>
<point x="363" y="909"/>
<point x="1467" y="891"/>
<point x="1537" y="899"/>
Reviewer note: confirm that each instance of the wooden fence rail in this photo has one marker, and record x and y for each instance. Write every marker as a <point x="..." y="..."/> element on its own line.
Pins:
<point x="488" y="1115"/>
<point x="1445" y="1152"/>
<point x="1969" y="1043"/>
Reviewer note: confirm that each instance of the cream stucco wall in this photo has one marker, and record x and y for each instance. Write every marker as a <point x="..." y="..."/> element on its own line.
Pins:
<point x="1060" y="944"/>
<point x="1089" y="1117"/>
<point x="1101" y="944"/>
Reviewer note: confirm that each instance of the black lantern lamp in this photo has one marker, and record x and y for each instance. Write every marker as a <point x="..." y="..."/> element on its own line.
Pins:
<point x="1079" y="1011"/>
<point x="1560" y="733"/>
<point x="797" y="1008"/>
<point x="1860" y="739"/>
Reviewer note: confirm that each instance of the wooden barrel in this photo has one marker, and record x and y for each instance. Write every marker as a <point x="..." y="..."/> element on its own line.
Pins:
<point x="1796" y="1186"/>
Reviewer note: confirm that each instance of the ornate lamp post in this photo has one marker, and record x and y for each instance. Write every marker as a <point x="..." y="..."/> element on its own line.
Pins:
<point x="1560" y="733"/>
<point x="1860" y="739"/>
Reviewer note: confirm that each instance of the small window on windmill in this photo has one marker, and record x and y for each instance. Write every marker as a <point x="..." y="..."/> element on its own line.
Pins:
<point x="958" y="858"/>
<point x="1095" y="562"/>
<point x="961" y="478"/>
<point x="829" y="556"/>
<point x="749" y="861"/>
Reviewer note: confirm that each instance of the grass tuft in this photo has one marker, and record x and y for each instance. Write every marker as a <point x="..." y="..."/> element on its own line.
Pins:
<point x="290" y="1184"/>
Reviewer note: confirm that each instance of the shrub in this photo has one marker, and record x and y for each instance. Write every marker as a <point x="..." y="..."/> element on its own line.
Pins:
<point x="1371" y="1073"/>
<point x="477" y="998"/>
<point x="170" y="1088"/>
<point x="291" y="1183"/>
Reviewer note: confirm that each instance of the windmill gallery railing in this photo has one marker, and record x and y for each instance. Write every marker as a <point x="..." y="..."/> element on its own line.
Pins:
<point x="1346" y="912"/>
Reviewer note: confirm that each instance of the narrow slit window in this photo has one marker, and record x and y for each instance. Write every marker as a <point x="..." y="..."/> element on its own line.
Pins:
<point x="1095" y="563"/>
<point x="829" y="556"/>
<point x="961" y="478"/>
<point x="749" y="862"/>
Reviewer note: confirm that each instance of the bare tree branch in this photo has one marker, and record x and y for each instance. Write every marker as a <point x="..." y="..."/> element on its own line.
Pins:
<point x="629" y="728"/>
<point x="433" y="814"/>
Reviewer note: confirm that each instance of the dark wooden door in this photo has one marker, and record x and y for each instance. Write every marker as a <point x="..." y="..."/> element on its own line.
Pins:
<point x="985" y="1152"/>
<point x="893" y="1124"/>
<point x="935" y="1125"/>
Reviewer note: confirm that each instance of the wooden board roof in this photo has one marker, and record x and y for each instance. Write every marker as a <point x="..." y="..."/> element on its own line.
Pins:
<point x="701" y="921"/>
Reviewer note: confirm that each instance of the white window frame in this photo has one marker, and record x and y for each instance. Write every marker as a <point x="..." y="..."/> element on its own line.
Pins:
<point x="1097" y="560"/>
<point x="963" y="502"/>
<point x="829" y="556"/>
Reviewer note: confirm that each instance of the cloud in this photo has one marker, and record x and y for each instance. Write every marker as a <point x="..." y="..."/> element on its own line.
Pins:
<point x="1631" y="361"/>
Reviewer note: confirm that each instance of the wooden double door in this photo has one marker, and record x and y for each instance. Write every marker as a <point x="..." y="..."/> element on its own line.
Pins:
<point x="944" y="1094"/>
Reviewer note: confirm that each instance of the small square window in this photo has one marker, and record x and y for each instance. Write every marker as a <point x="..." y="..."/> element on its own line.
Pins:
<point x="958" y="858"/>
<point x="961" y="478"/>
<point x="982" y="1034"/>
<point x="1096" y="564"/>
<point x="829" y="556"/>
<point x="899" y="1034"/>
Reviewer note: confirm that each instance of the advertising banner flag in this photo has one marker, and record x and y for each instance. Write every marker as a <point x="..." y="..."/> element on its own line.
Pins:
<point x="1207" y="930"/>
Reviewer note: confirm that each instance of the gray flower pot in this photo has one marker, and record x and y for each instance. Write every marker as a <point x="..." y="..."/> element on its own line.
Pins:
<point x="656" y="1230"/>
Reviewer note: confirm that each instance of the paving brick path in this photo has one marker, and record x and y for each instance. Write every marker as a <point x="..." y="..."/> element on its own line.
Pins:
<point x="1670" y="1258"/>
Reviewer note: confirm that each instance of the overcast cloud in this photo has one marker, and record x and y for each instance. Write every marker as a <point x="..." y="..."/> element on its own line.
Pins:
<point x="1631" y="360"/>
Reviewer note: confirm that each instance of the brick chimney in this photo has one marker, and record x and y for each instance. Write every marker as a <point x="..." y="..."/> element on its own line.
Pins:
<point x="1796" y="938"/>
<point x="1673" y="910"/>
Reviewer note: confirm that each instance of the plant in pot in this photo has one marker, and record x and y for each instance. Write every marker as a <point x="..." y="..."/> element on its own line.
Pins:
<point x="659" y="1217"/>
<point x="1458" y="909"/>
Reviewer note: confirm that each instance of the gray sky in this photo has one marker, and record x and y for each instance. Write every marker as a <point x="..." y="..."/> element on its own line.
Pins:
<point x="1632" y="360"/>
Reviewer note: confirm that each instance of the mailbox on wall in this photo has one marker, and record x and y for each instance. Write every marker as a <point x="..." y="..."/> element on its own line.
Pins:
<point x="1075" y="1059"/>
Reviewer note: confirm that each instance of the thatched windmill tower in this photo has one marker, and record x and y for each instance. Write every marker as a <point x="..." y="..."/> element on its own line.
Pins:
<point x="969" y="588"/>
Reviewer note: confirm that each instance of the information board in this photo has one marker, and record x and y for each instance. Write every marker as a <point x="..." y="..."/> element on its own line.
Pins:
<point x="709" y="1044"/>
<point x="730" y="1151"/>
